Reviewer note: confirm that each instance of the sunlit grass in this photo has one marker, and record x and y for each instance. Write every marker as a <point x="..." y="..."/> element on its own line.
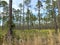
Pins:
<point x="2" y="33"/>
<point x="33" y="37"/>
<point x="25" y="32"/>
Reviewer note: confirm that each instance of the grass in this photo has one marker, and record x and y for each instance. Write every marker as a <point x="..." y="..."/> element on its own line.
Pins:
<point x="32" y="37"/>
<point x="2" y="33"/>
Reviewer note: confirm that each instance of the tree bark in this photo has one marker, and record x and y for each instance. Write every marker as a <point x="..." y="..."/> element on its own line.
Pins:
<point x="58" y="3"/>
<point x="9" y="34"/>
<point x="54" y="16"/>
<point x="10" y="16"/>
<point x="39" y="14"/>
<point x="23" y="15"/>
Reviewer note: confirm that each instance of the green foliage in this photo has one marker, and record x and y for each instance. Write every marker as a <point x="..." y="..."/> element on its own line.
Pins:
<point x="26" y="34"/>
<point x="23" y="34"/>
<point x="48" y="1"/>
<point x="27" y="2"/>
<point x="27" y="13"/>
<point x="2" y="33"/>
<point x="39" y="4"/>
<point x="3" y="3"/>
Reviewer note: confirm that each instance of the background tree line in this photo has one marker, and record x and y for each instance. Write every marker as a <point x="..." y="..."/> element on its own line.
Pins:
<point x="22" y="19"/>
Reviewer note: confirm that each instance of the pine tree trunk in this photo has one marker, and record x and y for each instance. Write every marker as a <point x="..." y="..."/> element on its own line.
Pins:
<point x="9" y="34"/>
<point x="23" y="15"/>
<point x="58" y="2"/>
<point x="54" y="16"/>
<point x="39" y="14"/>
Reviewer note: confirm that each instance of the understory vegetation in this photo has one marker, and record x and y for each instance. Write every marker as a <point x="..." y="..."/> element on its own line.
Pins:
<point x="31" y="37"/>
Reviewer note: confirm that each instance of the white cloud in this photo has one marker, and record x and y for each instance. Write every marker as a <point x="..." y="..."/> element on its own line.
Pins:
<point x="14" y="6"/>
<point x="34" y="12"/>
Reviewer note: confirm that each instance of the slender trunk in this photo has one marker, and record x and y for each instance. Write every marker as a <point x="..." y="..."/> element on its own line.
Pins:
<point x="58" y="3"/>
<point x="2" y="23"/>
<point x="39" y="19"/>
<point x="55" y="22"/>
<point x="20" y="21"/>
<point x="3" y="19"/>
<point x="54" y="16"/>
<point x="23" y="15"/>
<point x="28" y="24"/>
<point x="39" y="14"/>
<point x="10" y="16"/>
<point x="28" y="18"/>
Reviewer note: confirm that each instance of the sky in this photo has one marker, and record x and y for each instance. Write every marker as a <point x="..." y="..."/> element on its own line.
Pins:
<point x="16" y="3"/>
<point x="33" y="3"/>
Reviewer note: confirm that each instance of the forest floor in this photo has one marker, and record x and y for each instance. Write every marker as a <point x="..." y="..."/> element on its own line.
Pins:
<point x="31" y="37"/>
